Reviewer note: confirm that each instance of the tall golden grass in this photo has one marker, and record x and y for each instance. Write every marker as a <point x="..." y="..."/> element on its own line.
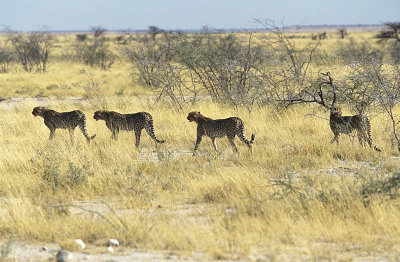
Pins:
<point x="222" y="203"/>
<point x="296" y="194"/>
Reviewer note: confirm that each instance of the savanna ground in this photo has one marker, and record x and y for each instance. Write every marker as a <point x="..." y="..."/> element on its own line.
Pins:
<point x="297" y="197"/>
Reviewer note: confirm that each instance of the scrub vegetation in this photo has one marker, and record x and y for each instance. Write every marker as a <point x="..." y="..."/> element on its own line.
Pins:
<point x="297" y="196"/>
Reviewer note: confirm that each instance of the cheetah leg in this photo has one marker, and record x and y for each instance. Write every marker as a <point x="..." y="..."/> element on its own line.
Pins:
<point x="52" y="132"/>
<point x="246" y="142"/>
<point x="336" y="138"/>
<point x="214" y="143"/>
<point x="231" y="140"/>
<point x="198" y="140"/>
<point x="361" y="139"/>
<point x="71" y="135"/>
<point x="114" y="135"/>
<point x="137" y="136"/>
<point x="369" y="140"/>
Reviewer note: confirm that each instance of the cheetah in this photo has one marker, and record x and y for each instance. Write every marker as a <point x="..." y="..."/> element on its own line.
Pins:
<point x="229" y="127"/>
<point x="136" y="122"/>
<point x="348" y="124"/>
<point x="63" y="120"/>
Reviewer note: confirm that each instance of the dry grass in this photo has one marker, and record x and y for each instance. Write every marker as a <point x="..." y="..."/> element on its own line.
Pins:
<point x="297" y="194"/>
<point x="222" y="203"/>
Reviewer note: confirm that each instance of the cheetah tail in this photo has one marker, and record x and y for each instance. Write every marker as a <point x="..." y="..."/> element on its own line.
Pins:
<point x="155" y="137"/>
<point x="160" y="141"/>
<point x="370" y="137"/>
<point x="84" y="131"/>
<point x="243" y="138"/>
<point x="150" y="131"/>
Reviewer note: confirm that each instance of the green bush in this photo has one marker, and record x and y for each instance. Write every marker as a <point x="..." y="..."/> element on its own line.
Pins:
<point x="58" y="171"/>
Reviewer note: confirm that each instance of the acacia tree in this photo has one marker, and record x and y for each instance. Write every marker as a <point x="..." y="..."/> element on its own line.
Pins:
<point x="154" y="31"/>
<point x="391" y="31"/>
<point x="391" y="35"/>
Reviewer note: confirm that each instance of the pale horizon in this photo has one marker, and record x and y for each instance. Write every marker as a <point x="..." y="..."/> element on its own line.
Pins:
<point x="82" y="15"/>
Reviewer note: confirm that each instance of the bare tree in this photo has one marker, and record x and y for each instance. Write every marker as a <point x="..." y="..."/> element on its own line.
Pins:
<point x="360" y="62"/>
<point x="388" y="94"/>
<point x="289" y="69"/>
<point x="93" y="51"/>
<point x="339" y="124"/>
<point x="226" y="66"/>
<point x="6" y="57"/>
<point x="223" y="66"/>
<point x="154" y="60"/>
<point x="145" y="56"/>
<point x="240" y="70"/>
<point x="32" y="49"/>
<point x="98" y="31"/>
<point x="342" y="32"/>
<point x="313" y="96"/>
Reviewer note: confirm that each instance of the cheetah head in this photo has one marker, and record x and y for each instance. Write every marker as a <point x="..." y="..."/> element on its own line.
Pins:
<point x="98" y="115"/>
<point x="193" y="116"/>
<point x="335" y="110"/>
<point x="38" y="111"/>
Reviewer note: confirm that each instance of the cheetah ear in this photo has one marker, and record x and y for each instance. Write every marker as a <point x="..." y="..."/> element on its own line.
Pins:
<point x="198" y="112"/>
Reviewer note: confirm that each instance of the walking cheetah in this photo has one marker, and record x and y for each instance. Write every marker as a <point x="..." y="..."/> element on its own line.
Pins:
<point x="348" y="124"/>
<point x="63" y="120"/>
<point x="136" y="122"/>
<point x="229" y="127"/>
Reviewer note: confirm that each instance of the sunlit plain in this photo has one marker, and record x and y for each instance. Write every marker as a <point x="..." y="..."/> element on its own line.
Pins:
<point x="297" y="194"/>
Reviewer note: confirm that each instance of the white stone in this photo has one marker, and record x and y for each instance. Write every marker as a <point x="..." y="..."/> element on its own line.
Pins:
<point x="113" y="242"/>
<point x="110" y="249"/>
<point x="80" y="243"/>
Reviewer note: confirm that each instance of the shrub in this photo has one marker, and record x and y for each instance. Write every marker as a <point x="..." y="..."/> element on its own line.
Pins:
<point x="394" y="51"/>
<point x="387" y="186"/>
<point x="32" y="49"/>
<point x="6" y="57"/>
<point x="81" y="37"/>
<point x="74" y="176"/>
<point x="60" y="172"/>
<point x="354" y="52"/>
<point x="93" y="51"/>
